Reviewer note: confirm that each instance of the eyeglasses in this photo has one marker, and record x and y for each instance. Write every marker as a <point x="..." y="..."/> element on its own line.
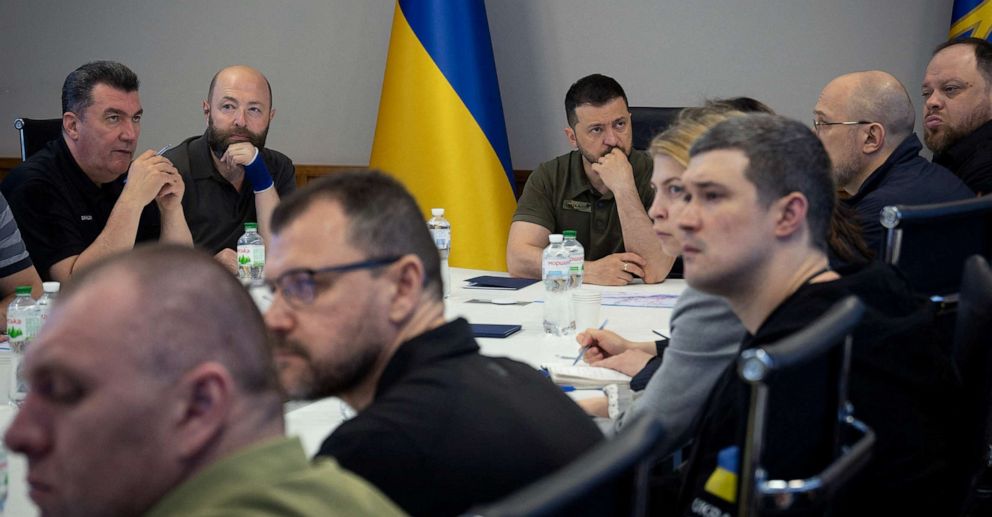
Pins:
<point x="817" y="124"/>
<point x="299" y="287"/>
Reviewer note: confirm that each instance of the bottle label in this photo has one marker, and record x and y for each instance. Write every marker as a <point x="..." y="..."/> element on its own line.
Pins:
<point x="554" y="267"/>
<point x="17" y="330"/>
<point x="251" y="255"/>
<point x="442" y="237"/>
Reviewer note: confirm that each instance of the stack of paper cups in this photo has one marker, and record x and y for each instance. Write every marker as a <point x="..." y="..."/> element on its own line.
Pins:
<point x="585" y="306"/>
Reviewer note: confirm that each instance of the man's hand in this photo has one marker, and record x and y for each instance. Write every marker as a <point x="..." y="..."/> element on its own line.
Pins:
<point x="170" y="196"/>
<point x="602" y="344"/>
<point x="229" y="259"/>
<point x="147" y="176"/>
<point x="628" y="362"/>
<point x="615" y="171"/>
<point x="595" y="406"/>
<point x="241" y="153"/>
<point x="615" y="269"/>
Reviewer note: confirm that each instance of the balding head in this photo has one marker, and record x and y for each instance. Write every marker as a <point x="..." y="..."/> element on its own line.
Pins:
<point x="236" y="74"/>
<point x="876" y="96"/>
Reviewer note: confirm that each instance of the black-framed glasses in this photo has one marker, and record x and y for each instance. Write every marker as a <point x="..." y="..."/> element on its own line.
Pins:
<point x="299" y="286"/>
<point x="817" y="124"/>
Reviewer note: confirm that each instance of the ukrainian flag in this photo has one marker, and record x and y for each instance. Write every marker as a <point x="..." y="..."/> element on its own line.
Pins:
<point x="440" y="129"/>
<point x="971" y="18"/>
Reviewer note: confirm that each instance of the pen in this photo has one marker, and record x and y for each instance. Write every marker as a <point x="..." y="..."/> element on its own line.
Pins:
<point x="566" y="388"/>
<point x="660" y="334"/>
<point x="585" y="349"/>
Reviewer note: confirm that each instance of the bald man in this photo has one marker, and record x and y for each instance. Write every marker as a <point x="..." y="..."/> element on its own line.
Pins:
<point x="176" y="414"/>
<point x="231" y="178"/>
<point x="865" y="121"/>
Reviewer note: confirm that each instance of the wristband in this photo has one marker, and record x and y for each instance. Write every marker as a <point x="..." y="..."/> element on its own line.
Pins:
<point x="258" y="174"/>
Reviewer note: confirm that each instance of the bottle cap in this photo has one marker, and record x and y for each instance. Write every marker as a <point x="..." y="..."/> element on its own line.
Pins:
<point x="251" y="226"/>
<point x="51" y="287"/>
<point x="555" y="237"/>
<point x="23" y="289"/>
<point x="437" y="212"/>
<point x="569" y="234"/>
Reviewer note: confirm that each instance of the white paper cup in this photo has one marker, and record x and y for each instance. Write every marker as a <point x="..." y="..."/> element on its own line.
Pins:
<point x="585" y="305"/>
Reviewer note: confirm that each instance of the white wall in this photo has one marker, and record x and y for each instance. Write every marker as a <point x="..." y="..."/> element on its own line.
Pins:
<point x="325" y="58"/>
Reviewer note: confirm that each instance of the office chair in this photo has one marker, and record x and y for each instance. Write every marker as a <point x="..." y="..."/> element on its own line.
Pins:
<point x="648" y="122"/>
<point x="621" y="465"/>
<point x="973" y="357"/>
<point x="35" y="133"/>
<point x="930" y="243"/>
<point x="852" y="440"/>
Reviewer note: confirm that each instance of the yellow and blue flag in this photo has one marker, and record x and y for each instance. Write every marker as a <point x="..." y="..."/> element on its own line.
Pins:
<point x="441" y="130"/>
<point x="971" y="18"/>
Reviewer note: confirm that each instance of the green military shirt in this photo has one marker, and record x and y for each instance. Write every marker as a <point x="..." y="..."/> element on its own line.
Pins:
<point x="559" y="197"/>
<point x="274" y="478"/>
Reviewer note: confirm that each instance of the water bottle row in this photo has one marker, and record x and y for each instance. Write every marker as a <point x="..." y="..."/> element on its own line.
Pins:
<point x="561" y="270"/>
<point x="25" y="317"/>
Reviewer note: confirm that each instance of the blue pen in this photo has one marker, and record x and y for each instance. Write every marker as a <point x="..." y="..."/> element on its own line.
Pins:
<point x="566" y="388"/>
<point x="586" y="348"/>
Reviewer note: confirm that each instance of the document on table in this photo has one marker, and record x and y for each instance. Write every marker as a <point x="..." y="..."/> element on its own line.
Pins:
<point x="663" y="301"/>
<point x="585" y="376"/>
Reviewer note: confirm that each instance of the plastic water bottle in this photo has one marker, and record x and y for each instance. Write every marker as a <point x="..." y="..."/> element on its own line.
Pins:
<point x="251" y="255"/>
<point x="555" y="265"/>
<point x="20" y="314"/>
<point x="578" y="256"/>
<point x="441" y="233"/>
<point x="44" y="304"/>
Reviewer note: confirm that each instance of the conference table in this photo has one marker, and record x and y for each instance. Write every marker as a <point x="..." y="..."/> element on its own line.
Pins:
<point x="635" y="311"/>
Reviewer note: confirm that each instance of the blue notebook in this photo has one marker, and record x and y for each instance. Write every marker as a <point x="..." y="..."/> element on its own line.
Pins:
<point x="498" y="282"/>
<point x="493" y="330"/>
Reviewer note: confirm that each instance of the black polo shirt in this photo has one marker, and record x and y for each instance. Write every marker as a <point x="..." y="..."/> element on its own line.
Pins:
<point x="971" y="159"/>
<point x="215" y="211"/>
<point x="58" y="208"/>
<point x="450" y="428"/>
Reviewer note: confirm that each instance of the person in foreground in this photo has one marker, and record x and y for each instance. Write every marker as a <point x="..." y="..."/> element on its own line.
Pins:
<point x="957" y="95"/>
<point x="231" y="177"/>
<point x="865" y="121"/>
<point x="165" y="402"/>
<point x="705" y="333"/>
<point x="601" y="190"/>
<point x="357" y="312"/>
<point x="82" y="198"/>
<point x="758" y="201"/>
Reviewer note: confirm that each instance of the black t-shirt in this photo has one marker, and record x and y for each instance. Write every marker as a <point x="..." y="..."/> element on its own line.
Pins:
<point x="59" y="210"/>
<point x="901" y="385"/>
<point x="215" y="211"/>
<point x="450" y="428"/>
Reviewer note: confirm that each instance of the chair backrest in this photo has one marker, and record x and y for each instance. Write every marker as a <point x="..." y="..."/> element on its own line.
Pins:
<point x="930" y="243"/>
<point x="973" y="357"/>
<point x="35" y="133"/>
<point x="648" y="122"/>
<point x="621" y="465"/>
<point x="761" y="367"/>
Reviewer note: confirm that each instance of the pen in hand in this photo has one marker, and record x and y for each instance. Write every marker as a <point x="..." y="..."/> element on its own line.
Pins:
<point x="585" y="349"/>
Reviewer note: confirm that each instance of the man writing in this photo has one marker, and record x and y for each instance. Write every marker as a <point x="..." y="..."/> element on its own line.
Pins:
<point x="72" y="201"/>
<point x="357" y="312"/>
<point x="165" y="402"/>
<point x="865" y="121"/>
<point x="758" y="202"/>
<point x="601" y="190"/>
<point x="231" y="177"/>
<point x="957" y="93"/>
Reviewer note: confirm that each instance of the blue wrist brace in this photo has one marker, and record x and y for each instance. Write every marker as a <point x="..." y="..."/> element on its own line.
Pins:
<point x="258" y="174"/>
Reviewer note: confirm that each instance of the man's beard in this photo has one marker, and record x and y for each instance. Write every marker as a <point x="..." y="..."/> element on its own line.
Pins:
<point x="324" y="379"/>
<point x="219" y="140"/>
<point x="948" y="135"/>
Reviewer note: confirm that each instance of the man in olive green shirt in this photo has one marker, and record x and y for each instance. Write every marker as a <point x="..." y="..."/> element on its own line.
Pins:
<point x="601" y="190"/>
<point x="153" y="392"/>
